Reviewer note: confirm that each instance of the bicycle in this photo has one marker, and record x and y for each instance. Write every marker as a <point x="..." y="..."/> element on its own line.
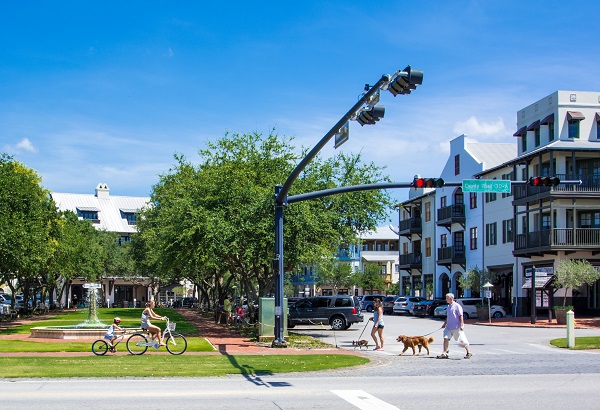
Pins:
<point x="100" y="347"/>
<point x="176" y="344"/>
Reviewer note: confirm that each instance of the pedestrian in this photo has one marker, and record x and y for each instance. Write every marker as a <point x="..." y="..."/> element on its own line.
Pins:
<point x="454" y="327"/>
<point x="377" y="324"/>
<point x="227" y="307"/>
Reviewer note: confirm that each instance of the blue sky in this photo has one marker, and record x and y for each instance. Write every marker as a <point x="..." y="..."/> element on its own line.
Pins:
<point x="108" y="91"/>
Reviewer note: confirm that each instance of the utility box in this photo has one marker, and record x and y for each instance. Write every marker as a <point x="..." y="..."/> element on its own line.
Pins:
<point x="266" y="319"/>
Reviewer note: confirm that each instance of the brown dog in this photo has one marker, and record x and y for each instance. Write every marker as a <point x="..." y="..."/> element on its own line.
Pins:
<point x="412" y="341"/>
<point x="360" y="343"/>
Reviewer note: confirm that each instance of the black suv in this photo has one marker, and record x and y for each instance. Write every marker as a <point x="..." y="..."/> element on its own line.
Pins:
<point x="338" y="311"/>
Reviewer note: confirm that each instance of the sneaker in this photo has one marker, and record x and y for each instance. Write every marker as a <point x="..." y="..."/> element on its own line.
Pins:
<point x="442" y="356"/>
<point x="469" y="355"/>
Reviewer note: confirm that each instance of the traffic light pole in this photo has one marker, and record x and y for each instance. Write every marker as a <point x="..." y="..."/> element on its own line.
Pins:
<point x="281" y="201"/>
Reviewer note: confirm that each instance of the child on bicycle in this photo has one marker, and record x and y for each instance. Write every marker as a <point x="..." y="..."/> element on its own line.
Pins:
<point x="110" y="333"/>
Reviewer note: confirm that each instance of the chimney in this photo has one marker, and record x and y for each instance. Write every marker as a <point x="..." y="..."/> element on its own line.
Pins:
<point x="102" y="191"/>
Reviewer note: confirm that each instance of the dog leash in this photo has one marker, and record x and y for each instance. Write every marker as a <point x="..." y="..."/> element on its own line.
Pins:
<point x="361" y="333"/>
<point x="433" y="331"/>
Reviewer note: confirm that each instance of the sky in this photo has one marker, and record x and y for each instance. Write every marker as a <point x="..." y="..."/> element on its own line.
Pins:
<point x="110" y="91"/>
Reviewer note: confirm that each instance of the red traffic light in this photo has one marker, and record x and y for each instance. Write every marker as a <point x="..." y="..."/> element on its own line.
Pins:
<point x="428" y="183"/>
<point x="544" y="181"/>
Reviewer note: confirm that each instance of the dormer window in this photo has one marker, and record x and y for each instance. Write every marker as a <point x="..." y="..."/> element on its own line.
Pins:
<point x="129" y="216"/>
<point x="88" y="213"/>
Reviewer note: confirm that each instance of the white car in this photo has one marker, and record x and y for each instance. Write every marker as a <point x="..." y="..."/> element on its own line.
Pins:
<point x="469" y="306"/>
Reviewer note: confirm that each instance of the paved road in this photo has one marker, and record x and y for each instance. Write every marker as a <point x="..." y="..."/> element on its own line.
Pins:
<point x="511" y="368"/>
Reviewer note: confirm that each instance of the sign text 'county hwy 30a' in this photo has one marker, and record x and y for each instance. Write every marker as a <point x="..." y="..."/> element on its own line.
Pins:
<point x="486" y="185"/>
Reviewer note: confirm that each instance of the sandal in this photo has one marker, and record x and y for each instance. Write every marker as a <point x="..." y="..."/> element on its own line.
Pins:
<point x="469" y="355"/>
<point x="442" y="356"/>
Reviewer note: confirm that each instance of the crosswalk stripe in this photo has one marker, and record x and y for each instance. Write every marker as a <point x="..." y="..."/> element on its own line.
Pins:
<point x="363" y="400"/>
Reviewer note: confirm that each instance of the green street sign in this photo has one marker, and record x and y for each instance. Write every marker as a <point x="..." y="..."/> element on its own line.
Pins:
<point x="486" y="185"/>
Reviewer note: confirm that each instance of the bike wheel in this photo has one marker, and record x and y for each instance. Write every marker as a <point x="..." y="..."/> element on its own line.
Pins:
<point x="137" y="344"/>
<point x="176" y="344"/>
<point x="99" y="347"/>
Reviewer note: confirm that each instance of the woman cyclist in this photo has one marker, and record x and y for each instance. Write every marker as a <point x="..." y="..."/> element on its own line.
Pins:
<point x="148" y="314"/>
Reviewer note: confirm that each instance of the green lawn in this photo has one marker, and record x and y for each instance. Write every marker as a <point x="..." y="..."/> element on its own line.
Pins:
<point x="150" y="365"/>
<point x="581" y="343"/>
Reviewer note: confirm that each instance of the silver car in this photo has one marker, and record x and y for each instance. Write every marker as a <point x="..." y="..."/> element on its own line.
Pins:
<point x="404" y="304"/>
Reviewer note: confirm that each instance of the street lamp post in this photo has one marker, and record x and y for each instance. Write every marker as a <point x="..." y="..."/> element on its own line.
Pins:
<point x="403" y="82"/>
<point x="488" y="295"/>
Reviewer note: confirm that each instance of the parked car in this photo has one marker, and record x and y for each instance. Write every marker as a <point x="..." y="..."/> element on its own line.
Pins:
<point x="340" y="311"/>
<point x="426" y="307"/>
<point x="404" y="303"/>
<point x="5" y="299"/>
<point x="388" y="304"/>
<point x="366" y="303"/>
<point x="469" y="306"/>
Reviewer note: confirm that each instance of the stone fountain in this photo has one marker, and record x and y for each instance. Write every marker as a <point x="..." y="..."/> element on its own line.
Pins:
<point x="90" y="328"/>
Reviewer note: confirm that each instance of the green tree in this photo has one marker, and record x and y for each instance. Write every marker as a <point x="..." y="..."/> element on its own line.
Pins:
<point x="370" y="279"/>
<point x="573" y="274"/>
<point x="475" y="278"/>
<point x="332" y="272"/>
<point x="25" y="224"/>
<point x="213" y="223"/>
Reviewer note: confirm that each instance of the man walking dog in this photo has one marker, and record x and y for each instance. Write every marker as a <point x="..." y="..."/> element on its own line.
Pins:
<point x="454" y="327"/>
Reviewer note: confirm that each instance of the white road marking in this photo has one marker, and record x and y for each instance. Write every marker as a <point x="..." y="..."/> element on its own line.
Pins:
<point x="363" y="400"/>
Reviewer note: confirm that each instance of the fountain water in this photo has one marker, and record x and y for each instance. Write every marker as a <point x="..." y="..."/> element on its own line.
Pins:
<point x="90" y="328"/>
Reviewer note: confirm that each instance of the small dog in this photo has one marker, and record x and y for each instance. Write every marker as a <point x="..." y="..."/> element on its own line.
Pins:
<point x="360" y="343"/>
<point x="412" y="341"/>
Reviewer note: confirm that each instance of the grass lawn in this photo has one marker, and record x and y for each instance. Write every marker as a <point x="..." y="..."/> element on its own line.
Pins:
<point x="170" y="366"/>
<point x="152" y="365"/>
<point x="581" y="343"/>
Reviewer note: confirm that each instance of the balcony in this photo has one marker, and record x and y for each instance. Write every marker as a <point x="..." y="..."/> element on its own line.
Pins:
<point x="590" y="187"/>
<point x="410" y="261"/>
<point x="451" y="255"/>
<point x="557" y="239"/>
<point x="451" y="214"/>
<point x="410" y="226"/>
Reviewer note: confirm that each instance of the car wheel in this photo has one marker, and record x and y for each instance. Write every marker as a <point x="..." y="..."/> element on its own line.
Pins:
<point x="465" y="315"/>
<point x="497" y="315"/>
<point x="348" y="326"/>
<point x="369" y="308"/>
<point x="338" y="323"/>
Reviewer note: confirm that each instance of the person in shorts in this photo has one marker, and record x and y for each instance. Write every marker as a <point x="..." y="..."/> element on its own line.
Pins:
<point x="145" y="324"/>
<point x="454" y="327"/>
<point x="378" y="324"/>
<point x="110" y="333"/>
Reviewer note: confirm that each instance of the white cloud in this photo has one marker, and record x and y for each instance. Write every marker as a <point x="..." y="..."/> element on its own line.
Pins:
<point x="480" y="129"/>
<point x="22" y="146"/>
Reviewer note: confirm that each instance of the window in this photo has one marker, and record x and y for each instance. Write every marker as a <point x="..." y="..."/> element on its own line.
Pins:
<point x="473" y="236"/>
<point x="427" y="211"/>
<point x="589" y="219"/>
<point x="490" y="234"/>
<point x="473" y="200"/>
<point x="490" y="197"/>
<point x="124" y="239"/>
<point x="507" y="231"/>
<point x="536" y="132"/>
<point x="573" y="128"/>
<point x="444" y="241"/>
<point x="130" y="217"/>
<point x="379" y="247"/>
<point x="524" y="224"/>
<point x="507" y="177"/>
<point x="405" y="248"/>
<point x="550" y="131"/>
<point x="456" y="164"/>
<point x="459" y="240"/>
<point x="545" y="222"/>
<point x="427" y="247"/>
<point x="443" y="202"/>
<point x="459" y="199"/>
<point x="524" y="143"/>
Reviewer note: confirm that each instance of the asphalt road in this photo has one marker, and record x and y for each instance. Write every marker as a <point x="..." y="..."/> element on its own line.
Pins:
<point x="511" y="368"/>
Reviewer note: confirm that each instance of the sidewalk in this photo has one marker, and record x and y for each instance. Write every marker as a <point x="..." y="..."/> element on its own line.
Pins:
<point x="580" y="323"/>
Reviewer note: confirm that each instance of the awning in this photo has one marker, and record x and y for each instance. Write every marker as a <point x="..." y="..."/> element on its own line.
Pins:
<point x="379" y="258"/>
<point x="547" y="120"/>
<point x="540" y="282"/>
<point x="88" y="209"/>
<point x="575" y="116"/>
<point x="521" y="132"/>
<point x="534" y="126"/>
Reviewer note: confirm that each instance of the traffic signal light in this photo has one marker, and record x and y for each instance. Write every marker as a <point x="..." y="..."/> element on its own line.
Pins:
<point x="543" y="181"/>
<point x="371" y="116"/>
<point x="405" y="82"/>
<point x="428" y="183"/>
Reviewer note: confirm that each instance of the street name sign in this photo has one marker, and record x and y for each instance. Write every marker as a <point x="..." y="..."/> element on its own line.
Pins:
<point x="486" y="185"/>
